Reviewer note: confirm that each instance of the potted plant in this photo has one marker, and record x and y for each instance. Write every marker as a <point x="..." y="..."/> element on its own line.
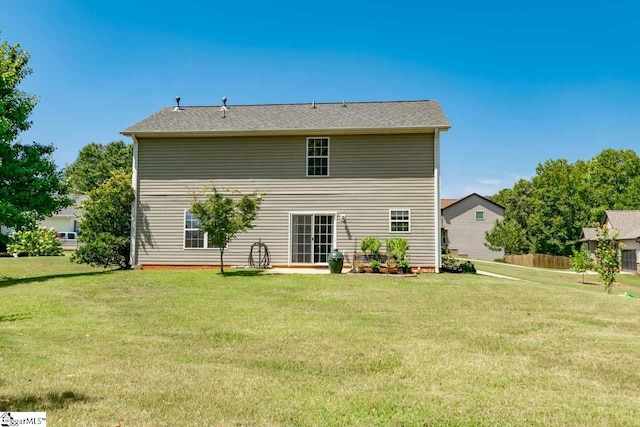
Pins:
<point x="392" y="265"/>
<point x="375" y="266"/>
<point x="397" y="247"/>
<point x="370" y="246"/>
<point x="404" y="266"/>
<point x="358" y="266"/>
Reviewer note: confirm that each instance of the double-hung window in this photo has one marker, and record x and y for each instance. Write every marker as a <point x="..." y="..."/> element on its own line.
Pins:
<point x="399" y="220"/>
<point x="193" y="237"/>
<point x="318" y="156"/>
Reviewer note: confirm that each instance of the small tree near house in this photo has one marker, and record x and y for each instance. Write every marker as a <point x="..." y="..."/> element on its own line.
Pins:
<point x="581" y="261"/>
<point x="608" y="254"/>
<point x="224" y="214"/>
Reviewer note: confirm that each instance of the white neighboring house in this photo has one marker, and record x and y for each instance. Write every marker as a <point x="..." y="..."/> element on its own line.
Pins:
<point x="66" y="223"/>
<point x="628" y="225"/>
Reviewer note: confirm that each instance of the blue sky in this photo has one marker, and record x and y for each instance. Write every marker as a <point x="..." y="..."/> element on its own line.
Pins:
<point x="520" y="82"/>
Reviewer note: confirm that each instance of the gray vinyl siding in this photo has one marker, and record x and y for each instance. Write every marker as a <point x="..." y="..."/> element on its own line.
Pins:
<point x="368" y="176"/>
<point x="466" y="234"/>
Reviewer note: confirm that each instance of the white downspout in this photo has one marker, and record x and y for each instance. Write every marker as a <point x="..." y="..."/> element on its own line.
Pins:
<point x="134" y="206"/>
<point x="436" y="184"/>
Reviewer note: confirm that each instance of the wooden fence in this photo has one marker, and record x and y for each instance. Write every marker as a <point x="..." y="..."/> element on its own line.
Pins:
<point x="539" y="260"/>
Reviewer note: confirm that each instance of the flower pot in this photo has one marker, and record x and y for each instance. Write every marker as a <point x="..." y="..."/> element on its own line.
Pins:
<point x="392" y="270"/>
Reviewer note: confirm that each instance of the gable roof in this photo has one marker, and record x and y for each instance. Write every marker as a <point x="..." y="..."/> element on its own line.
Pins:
<point x="588" y="234"/>
<point x="405" y="116"/>
<point x="627" y="222"/>
<point x="443" y="207"/>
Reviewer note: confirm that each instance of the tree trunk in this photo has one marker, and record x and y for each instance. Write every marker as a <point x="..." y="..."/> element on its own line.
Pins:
<point x="222" y="261"/>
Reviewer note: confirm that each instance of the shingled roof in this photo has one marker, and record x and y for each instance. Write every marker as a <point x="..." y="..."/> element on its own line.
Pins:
<point x="282" y="118"/>
<point x="627" y="222"/>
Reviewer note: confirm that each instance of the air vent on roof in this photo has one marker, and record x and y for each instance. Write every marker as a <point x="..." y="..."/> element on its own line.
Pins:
<point x="177" y="107"/>
<point x="313" y="104"/>
<point x="224" y="110"/>
<point x="344" y="103"/>
<point x="224" y="101"/>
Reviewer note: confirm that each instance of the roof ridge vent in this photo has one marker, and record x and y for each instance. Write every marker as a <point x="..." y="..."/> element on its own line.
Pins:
<point x="177" y="107"/>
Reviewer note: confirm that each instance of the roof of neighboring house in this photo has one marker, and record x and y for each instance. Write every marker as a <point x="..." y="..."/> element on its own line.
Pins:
<point x="71" y="210"/>
<point x="282" y="118"/>
<point x="588" y="234"/>
<point x="447" y="202"/>
<point x="626" y="222"/>
<point x="454" y="201"/>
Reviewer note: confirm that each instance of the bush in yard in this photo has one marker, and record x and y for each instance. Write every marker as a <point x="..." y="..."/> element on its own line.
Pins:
<point x="397" y="247"/>
<point x="581" y="261"/>
<point x="370" y="245"/>
<point x="106" y="223"/>
<point x="608" y="253"/>
<point x="452" y="265"/>
<point x="39" y="241"/>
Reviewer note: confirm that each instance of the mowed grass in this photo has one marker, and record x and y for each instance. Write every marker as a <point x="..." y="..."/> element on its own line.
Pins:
<point x="164" y="348"/>
<point x="625" y="282"/>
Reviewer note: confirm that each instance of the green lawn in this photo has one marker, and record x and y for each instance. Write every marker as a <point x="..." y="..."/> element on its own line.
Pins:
<point x="625" y="282"/>
<point x="155" y="348"/>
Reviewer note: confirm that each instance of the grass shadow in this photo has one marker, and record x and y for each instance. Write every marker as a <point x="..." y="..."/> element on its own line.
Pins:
<point x="243" y="273"/>
<point x="40" y="403"/>
<point x="14" y="317"/>
<point x="9" y="281"/>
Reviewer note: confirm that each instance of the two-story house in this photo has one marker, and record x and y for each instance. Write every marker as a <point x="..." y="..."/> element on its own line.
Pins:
<point x="465" y="223"/>
<point x="331" y="174"/>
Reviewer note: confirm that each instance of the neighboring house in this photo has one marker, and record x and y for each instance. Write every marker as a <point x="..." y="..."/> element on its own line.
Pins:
<point x="332" y="173"/>
<point x="464" y="224"/>
<point x="67" y="220"/>
<point x="627" y="223"/>
<point x="64" y="222"/>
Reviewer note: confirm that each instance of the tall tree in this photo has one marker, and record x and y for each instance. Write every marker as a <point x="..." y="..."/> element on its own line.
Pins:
<point x="15" y="105"/>
<point x="31" y="187"/>
<point x="613" y="177"/>
<point x="30" y="184"/>
<point x="222" y="215"/>
<point x="96" y="162"/>
<point x="560" y="210"/>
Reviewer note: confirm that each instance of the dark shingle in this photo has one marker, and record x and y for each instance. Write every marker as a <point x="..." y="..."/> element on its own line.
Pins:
<point x="291" y="117"/>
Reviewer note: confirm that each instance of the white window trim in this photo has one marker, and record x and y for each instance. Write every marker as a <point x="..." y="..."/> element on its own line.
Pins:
<point x="479" y="219"/>
<point x="335" y="234"/>
<point x="184" y="234"/>
<point x="206" y="236"/>
<point x="306" y="165"/>
<point x="409" y="220"/>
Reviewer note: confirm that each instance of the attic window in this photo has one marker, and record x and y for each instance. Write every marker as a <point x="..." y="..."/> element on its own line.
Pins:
<point x="479" y="215"/>
<point x="317" y="156"/>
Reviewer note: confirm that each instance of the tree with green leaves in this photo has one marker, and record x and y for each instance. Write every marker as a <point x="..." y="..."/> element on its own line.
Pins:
<point x="96" y="162"/>
<point x="224" y="214"/>
<point x="106" y="223"/>
<point x="608" y="255"/>
<point x="31" y="187"/>
<point x="581" y="261"/>
<point x="506" y="235"/>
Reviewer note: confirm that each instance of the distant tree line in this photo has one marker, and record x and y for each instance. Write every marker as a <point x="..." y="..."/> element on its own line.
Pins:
<point x="546" y="213"/>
